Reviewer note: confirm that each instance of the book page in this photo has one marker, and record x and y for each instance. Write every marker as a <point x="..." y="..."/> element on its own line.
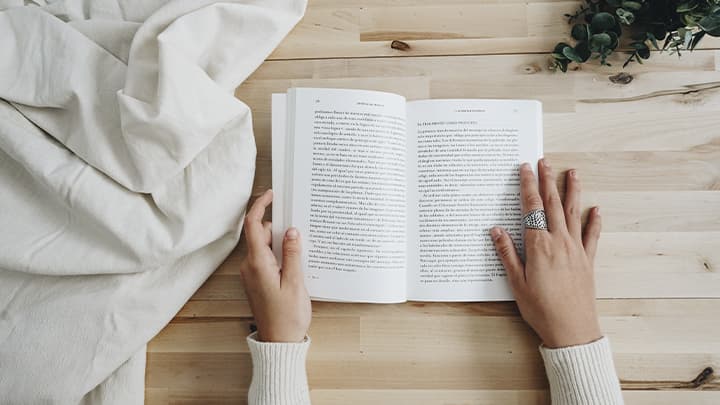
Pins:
<point x="467" y="154"/>
<point x="347" y="192"/>
<point x="279" y="139"/>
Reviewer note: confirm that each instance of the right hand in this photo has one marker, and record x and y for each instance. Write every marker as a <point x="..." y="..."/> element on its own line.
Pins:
<point x="278" y="298"/>
<point x="554" y="288"/>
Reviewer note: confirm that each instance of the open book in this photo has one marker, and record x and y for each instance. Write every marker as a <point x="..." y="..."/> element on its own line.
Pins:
<point x="394" y="199"/>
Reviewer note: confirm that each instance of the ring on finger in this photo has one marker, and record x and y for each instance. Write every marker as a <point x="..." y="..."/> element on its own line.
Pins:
<point x="535" y="219"/>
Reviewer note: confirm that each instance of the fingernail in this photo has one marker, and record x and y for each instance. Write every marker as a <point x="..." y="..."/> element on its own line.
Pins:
<point x="495" y="233"/>
<point x="292" y="234"/>
<point x="545" y="163"/>
<point x="597" y="210"/>
<point x="525" y="166"/>
<point x="574" y="174"/>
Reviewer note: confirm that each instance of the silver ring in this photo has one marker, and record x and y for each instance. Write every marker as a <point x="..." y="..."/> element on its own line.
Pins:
<point x="535" y="219"/>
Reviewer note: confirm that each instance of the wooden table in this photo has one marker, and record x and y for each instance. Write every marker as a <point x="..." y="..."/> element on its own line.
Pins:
<point x="648" y="153"/>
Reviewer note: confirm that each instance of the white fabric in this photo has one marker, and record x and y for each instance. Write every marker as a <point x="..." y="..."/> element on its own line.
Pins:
<point x="126" y="163"/>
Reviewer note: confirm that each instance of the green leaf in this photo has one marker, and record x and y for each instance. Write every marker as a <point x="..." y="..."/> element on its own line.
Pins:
<point x="559" y="47"/>
<point x="632" y="5"/>
<point x="583" y="51"/>
<point x="602" y="22"/>
<point x="614" y="40"/>
<point x="711" y="23"/>
<point x="598" y="40"/>
<point x="626" y="17"/>
<point x="580" y="32"/>
<point x="572" y="55"/>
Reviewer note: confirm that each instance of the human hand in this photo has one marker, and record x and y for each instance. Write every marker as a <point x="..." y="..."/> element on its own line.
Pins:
<point x="278" y="298"/>
<point x="555" y="287"/>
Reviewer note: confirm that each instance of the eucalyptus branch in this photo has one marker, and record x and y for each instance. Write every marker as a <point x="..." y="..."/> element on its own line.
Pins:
<point x="600" y="24"/>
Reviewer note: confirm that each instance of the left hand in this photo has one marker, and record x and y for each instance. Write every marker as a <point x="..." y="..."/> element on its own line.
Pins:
<point x="278" y="298"/>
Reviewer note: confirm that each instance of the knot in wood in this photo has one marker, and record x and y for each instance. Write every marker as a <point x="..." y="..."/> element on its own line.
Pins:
<point x="531" y="69"/>
<point x="704" y="377"/>
<point x="400" y="45"/>
<point x="621" y="78"/>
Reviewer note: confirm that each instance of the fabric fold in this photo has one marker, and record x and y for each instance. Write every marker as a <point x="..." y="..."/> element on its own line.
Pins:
<point x="126" y="164"/>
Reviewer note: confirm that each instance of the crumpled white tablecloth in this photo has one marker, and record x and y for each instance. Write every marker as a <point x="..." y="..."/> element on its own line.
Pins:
<point x="126" y="164"/>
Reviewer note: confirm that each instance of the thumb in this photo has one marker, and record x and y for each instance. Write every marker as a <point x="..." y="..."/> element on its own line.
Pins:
<point x="291" y="260"/>
<point x="509" y="257"/>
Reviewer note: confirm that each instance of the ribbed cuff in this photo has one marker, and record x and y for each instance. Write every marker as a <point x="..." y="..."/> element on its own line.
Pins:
<point x="582" y="375"/>
<point x="279" y="376"/>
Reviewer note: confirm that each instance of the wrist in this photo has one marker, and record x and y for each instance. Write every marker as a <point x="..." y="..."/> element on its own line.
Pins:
<point x="270" y="337"/>
<point x="572" y="338"/>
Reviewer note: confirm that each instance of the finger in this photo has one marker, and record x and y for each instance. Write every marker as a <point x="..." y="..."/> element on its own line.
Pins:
<point x="572" y="204"/>
<point x="551" y="198"/>
<point x="591" y="235"/>
<point x="292" y="263"/>
<point x="529" y="194"/>
<point x="509" y="257"/>
<point x="267" y="230"/>
<point x="529" y="197"/>
<point x="253" y="220"/>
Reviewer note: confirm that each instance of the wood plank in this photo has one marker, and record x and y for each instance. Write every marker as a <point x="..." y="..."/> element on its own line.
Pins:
<point x="198" y="372"/>
<point x="457" y="27"/>
<point x="492" y="397"/>
<point x="666" y="211"/>
<point x="197" y="397"/>
<point x="666" y="341"/>
<point x="428" y="397"/>
<point x="629" y="308"/>
<point x="679" y="121"/>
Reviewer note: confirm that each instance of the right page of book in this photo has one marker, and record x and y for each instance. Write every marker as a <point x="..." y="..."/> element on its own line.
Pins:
<point x="464" y="157"/>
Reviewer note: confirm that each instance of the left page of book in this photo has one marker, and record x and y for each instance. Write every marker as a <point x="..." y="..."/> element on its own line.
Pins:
<point x="340" y="177"/>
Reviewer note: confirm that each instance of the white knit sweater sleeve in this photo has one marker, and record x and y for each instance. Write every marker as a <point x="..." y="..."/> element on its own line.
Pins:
<point x="582" y="375"/>
<point x="279" y="376"/>
<point x="578" y="375"/>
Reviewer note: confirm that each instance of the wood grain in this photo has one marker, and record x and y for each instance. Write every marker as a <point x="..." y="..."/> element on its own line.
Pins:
<point x="648" y="153"/>
<point x="357" y="28"/>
